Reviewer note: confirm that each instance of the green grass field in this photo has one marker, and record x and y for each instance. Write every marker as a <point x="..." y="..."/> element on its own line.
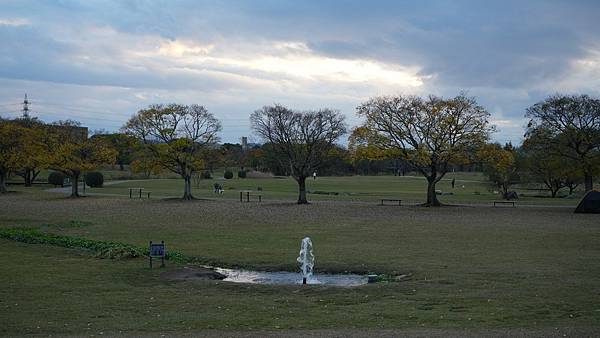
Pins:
<point x="473" y="268"/>
<point x="470" y="188"/>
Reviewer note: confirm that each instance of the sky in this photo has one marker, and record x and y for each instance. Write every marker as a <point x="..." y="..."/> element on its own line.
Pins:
<point x="99" y="62"/>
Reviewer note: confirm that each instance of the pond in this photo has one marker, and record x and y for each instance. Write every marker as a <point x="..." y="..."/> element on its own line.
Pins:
<point x="290" y="278"/>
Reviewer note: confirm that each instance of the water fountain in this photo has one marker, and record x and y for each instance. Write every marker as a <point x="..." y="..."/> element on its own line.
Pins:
<point x="306" y="259"/>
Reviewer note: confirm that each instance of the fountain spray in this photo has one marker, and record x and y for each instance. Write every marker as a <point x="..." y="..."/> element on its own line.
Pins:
<point x="306" y="259"/>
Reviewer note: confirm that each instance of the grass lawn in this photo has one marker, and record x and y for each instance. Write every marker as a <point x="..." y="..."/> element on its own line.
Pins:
<point x="469" y="188"/>
<point x="473" y="268"/>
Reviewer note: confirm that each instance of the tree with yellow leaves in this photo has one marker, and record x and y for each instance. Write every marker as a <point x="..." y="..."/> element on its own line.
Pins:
<point x="429" y="133"/>
<point x="500" y="165"/>
<point x="38" y="149"/>
<point x="17" y="146"/>
<point x="177" y="136"/>
<point x="73" y="155"/>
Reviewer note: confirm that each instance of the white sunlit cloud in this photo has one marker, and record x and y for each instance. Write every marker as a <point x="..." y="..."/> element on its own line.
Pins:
<point x="14" y="22"/>
<point x="288" y="59"/>
<point x="181" y="49"/>
<point x="505" y="123"/>
<point x="583" y="75"/>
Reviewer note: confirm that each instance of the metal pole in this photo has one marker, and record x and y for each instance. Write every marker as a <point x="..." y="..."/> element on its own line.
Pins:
<point x="162" y="264"/>
<point x="150" y="254"/>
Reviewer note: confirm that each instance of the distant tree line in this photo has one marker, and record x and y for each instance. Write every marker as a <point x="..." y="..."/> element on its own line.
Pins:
<point x="27" y="146"/>
<point x="429" y="136"/>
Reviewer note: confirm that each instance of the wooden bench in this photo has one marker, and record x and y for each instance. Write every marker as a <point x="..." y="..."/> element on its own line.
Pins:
<point x="138" y="189"/>
<point x="248" y="196"/>
<point x="390" y="200"/>
<point x="504" y="202"/>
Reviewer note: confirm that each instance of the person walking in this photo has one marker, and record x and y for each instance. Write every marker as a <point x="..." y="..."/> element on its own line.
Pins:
<point x="453" y="182"/>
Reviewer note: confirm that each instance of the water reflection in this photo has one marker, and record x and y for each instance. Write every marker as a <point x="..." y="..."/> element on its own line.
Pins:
<point x="261" y="277"/>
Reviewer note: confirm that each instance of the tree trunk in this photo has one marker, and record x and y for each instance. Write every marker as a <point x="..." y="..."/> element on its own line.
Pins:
<point x="187" y="191"/>
<point x="504" y="188"/>
<point x="3" y="183"/>
<point x="34" y="174"/>
<point x="75" y="185"/>
<point x="432" y="200"/>
<point x="27" y="177"/>
<point x="302" y="190"/>
<point x="589" y="182"/>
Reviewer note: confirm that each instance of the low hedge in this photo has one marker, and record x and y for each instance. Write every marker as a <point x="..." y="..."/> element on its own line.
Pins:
<point x="102" y="249"/>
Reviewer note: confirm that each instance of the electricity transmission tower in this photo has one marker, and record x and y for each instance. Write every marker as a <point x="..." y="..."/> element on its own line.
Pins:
<point x="25" y="107"/>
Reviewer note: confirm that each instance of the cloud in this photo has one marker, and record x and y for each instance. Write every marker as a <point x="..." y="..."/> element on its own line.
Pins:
<point x="236" y="56"/>
<point x="14" y="22"/>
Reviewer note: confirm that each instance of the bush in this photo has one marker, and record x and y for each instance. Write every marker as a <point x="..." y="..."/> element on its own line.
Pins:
<point x="94" y="179"/>
<point x="242" y="174"/>
<point x="56" y="178"/>
<point x="206" y="175"/>
<point x="228" y="174"/>
<point x="101" y="249"/>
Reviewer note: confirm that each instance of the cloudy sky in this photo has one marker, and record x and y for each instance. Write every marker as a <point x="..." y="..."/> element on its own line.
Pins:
<point x="100" y="61"/>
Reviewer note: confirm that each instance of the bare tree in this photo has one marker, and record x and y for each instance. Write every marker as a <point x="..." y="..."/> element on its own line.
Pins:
<point x="177" y="136"/>
<point x="429" y="133"/>
<point x="302" y="138"/>
<point x="571" y="125"/>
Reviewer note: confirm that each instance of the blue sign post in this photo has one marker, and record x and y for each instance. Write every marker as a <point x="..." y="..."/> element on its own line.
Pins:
<point x="158" y="251"/>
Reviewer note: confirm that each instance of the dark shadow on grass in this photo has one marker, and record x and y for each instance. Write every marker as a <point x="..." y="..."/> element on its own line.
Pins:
<point x="180" y="199"/>
<point x="11" y="192"/>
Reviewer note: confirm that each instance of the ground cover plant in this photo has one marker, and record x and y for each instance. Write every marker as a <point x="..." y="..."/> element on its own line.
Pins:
<point x="474" y="267"/>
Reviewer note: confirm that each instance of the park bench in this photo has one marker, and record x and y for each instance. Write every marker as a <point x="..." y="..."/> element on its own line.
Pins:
<point x="390" y="200"/>
<point x="504" y="202"/>
<point x="139" y="190"/>
<point x="248" y="196"/>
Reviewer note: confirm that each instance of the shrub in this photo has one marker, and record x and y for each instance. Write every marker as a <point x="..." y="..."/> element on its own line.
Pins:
<point x="206" y="175"/>
<point x="94" y="179"/>
<point x="228" y="174"/>
<point x="101" y="249"/>
<point x="56" y="178"/>
<point x="242" y="174"/>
